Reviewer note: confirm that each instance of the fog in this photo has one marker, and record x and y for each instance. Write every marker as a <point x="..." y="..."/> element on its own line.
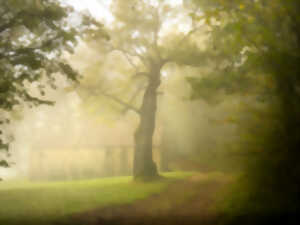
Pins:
<point x="75" y="140"/>
<point x="63" y="131"/>
<point x="90" y="130"/>
<point x="149" y="112"/>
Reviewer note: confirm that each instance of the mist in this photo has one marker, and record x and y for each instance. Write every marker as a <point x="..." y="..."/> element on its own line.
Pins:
<point x="149" y="112"/>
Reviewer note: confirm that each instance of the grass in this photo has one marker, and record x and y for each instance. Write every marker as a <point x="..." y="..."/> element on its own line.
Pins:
<point x="45" y="202"/>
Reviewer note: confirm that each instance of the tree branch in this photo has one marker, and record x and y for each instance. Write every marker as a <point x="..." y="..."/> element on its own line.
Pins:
<point x="134" y="96"/>
<point x="127" y="55"/>
<point x="121" y="102"/>
<point x="130" y="60"/>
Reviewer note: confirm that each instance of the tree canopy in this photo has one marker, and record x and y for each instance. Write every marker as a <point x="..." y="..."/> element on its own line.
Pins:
<point x="254" y="46"/>
<point x="144" y="41"/>
<point x="35" y="35"/>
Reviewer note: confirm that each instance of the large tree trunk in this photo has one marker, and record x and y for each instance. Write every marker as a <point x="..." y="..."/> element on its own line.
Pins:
<point x="144" y="166"/>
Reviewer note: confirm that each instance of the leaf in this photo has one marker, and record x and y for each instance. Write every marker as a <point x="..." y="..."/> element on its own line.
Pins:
<point x="242" y="6"/>
<point x="4" y="163"/>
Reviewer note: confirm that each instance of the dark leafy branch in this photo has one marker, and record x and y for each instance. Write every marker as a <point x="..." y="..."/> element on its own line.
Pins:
<point x="33" y="37"/>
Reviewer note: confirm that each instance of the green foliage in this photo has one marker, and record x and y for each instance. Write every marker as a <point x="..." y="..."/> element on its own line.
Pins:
<point x="229" y="83"/>
<point x="4" y="163"/>
<point x="259" y="40"/>
<point x="34" y="34"/>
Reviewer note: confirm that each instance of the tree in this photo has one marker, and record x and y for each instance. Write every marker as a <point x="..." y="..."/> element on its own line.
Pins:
<point x="255" y="48"/>
<point x="34" y="36"/>
<point x="139" y="36"/>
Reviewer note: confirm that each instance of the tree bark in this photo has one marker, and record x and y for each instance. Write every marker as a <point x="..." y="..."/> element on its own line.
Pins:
<point x="144" y="167"/>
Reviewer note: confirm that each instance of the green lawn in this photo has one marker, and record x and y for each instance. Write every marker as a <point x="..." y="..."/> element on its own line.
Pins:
<point x="44" y="202"/>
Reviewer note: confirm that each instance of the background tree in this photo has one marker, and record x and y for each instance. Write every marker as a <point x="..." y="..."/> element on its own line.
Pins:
<point x="34" y="36"/>
<point x="144" y="42"/>
<point x="254" y="46"/>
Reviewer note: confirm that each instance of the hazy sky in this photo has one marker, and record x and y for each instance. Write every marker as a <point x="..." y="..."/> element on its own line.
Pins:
<point x="100" y="8"/>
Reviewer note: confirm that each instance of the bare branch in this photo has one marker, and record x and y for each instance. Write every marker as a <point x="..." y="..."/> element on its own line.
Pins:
<point x="127" y="105"/>
<point x="121" y="102"/>
<point x="134" y="96"/>
<point x="130" y="60"/>
<point x="129" y="54"/>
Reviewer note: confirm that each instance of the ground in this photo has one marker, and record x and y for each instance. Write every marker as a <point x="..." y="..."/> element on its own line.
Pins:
<point x="189" y="201"/>
<point x="182" y="198"/>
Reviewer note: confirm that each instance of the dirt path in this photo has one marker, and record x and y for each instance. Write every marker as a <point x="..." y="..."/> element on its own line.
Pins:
<point x="184" y="202"/>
